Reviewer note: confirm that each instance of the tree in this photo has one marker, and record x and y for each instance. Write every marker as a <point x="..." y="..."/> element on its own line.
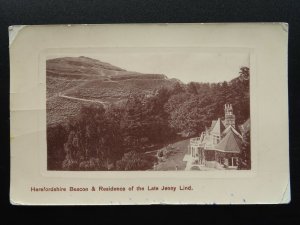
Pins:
<point x="178" y="88"/>
<point x="131" y="122"/>
<point x="134" y="161"/>
<point x="244" y="72"/>
<point x="56" y="137"/>
<point x="116" y="137"/>
<point x="94" y="140"/>
<point x="72" y="151"/>
<point x="192" y="88"/>
<point x="245" y="155"/>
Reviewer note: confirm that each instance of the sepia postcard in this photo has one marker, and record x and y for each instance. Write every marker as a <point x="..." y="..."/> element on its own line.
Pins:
<point x="149" y="114"/>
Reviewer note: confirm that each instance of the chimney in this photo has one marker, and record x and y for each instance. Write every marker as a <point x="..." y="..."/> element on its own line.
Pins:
<point x="229" y="116"/>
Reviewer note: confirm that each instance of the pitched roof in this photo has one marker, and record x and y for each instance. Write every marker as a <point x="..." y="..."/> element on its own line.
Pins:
<point x="230" y="143"/>
<point x="218" y="127"/>
<point x="245" y="127"/>
<point x="201" y="137"/>
<point x="213" y="124"/>
<point x="232" y="129"/>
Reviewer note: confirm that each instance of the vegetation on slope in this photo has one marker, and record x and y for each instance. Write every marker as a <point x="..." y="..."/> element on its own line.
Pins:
<point x="115" y="138"/>
<point x="91" y="79"/>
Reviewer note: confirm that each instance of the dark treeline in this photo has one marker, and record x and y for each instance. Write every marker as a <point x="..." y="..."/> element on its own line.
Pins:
<point x="115" y="138"/>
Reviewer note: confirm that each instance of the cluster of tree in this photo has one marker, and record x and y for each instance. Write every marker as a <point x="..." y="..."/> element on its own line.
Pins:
<point x="98" y="138"/>
<point x="116" y="138"/>
<point x="245" y="156"/>
<point x="195" y="106"/>
<point x="88" y="142"/>
<point x="135" y="161"/>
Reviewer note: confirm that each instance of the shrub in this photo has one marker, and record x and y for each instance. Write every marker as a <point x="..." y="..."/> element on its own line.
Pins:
<point x="134" y="161"/>
<point x="160" y="153"/>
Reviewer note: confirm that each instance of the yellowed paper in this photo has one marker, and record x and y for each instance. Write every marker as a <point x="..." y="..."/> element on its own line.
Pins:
<point x="42" y="60"/>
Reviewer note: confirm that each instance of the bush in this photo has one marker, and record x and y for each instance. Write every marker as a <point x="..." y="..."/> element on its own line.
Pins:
<point x="134" y="161"/>
<point x="70" y="164"/>
<point x="91" y="164"/>
<point x="160" y="153"/>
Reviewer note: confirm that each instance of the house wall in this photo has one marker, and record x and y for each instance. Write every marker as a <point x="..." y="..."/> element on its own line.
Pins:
<point x="209" y="155"/>
<point x="214" y="158"/>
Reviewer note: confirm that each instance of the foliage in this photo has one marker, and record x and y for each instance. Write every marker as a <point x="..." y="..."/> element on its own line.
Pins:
<point x="117" y="137"/>
<point x="160" y="153"/>
<point x="56" y="138"/>
<point x="245" y="156"/>
<point x="134" y="161"/>
<point x="93" y="140"/>
<point x="190" y="111"/>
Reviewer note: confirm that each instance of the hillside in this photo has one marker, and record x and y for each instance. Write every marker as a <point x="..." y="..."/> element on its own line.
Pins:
<point x="76" y="81"/>
<point x="149" y="113"/>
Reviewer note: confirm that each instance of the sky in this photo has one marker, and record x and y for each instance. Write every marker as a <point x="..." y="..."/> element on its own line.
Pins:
<point x="185" y="66"/>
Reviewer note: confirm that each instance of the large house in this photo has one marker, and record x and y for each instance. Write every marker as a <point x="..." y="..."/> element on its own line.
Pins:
<point x="219" y="146"/>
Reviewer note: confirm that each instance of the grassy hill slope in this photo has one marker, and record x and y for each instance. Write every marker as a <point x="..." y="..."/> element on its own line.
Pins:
<point x="84" y="78"/>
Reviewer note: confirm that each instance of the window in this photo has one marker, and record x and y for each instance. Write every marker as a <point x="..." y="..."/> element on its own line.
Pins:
<point x="233" y="161"/>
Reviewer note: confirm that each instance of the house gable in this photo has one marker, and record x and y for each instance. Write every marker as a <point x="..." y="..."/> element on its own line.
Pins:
<point x="218" y="128"/>
<point x="232" y="142"/>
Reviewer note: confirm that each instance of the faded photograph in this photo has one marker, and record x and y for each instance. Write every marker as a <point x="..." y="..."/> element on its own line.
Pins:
<point x="148" y="112"/>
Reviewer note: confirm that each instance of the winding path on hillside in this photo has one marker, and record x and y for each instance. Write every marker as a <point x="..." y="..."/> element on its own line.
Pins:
<point x="82" y="99"/>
